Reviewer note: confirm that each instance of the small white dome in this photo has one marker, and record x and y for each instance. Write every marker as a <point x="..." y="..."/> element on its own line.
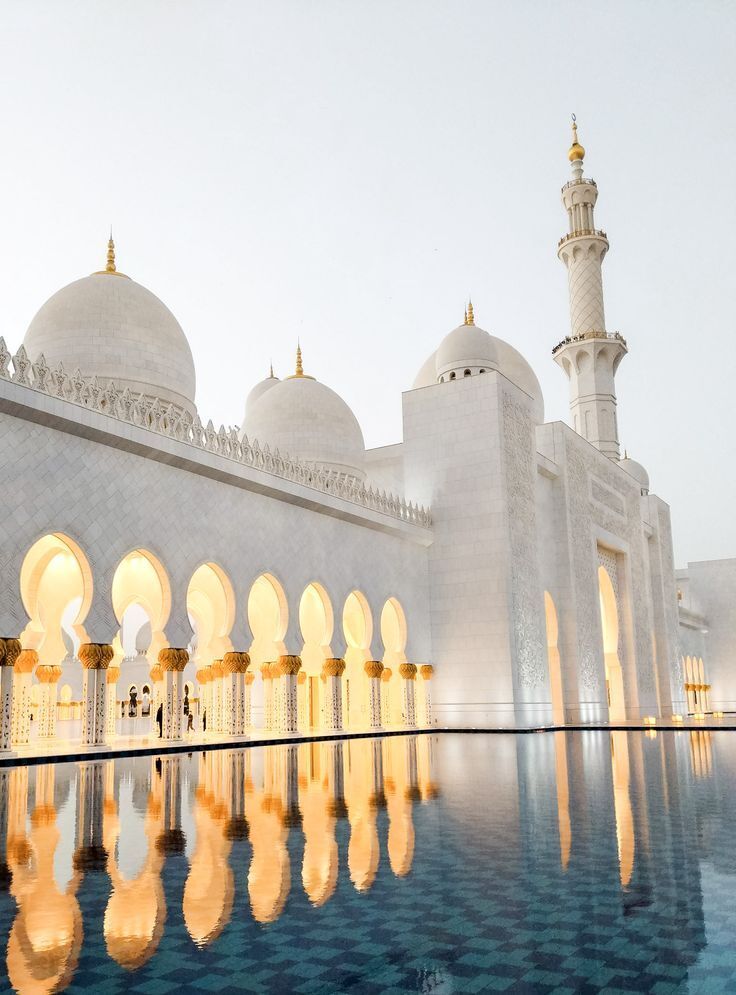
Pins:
<point x="467" y="347"/>
<point x="257" y="392"/>
<point x="107" y="325"/>
<point x="305" y="419"/>
<point x="637" y="471"/>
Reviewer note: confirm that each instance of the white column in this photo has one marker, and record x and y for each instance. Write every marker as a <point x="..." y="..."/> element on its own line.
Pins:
<point x="289" y="668"/>
<point x="9" y="652"/>
<point x="386" y="716"/>
<point x="21" y="717"/>
<point x="408" y="673"/>
<point x="48" y="677"/>
<point x="267" y="694"/>
<point x="302" y="693"/>
<point x="248" y="714"/>
<point x="112" y="675"/>
<point x="426" y="671"/>
<point x="373" y="670"/>
<point x="95" y="658"/>
<point x="173" y="660"/>
<point x="333" y="669"/>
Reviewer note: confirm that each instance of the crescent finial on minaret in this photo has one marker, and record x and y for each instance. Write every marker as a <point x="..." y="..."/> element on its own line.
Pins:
<point x="576" y="149"/>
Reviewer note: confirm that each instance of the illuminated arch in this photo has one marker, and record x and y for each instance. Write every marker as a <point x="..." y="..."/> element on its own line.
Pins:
<point x="211" y="610"/>
<point x="140" y="582"/>
<point x="553" y="660"/>
<point x="268" y="617"/>
<point x="56" y="588"/>
<point x="316" y="622"/>
<point x="357" y="625"/>
<point x="393" y="633"/>
<point x="609" y="622"/>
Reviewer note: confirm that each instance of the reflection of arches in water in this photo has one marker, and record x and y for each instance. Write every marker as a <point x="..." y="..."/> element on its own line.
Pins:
<point x="320" y="860"/>
<point x="56" y="589"/>
<point x="399" y="763"/>
<point x="136" y="910"/>
<point x="625" y="838"/>
<point x="610" y="626"/>
<point x="209" y="891"/>
<point x="46" y="935"/>
<point x="364" y="796"/>
<point x="563" y="798"/>
<point x="269" y="874"/>
<point x="553" y="660"/>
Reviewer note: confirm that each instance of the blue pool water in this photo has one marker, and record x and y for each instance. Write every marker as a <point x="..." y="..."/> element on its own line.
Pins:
<point x="578" y="862"/>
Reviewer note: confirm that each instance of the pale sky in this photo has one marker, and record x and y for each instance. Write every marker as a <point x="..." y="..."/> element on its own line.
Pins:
<point x="348" y="172"/>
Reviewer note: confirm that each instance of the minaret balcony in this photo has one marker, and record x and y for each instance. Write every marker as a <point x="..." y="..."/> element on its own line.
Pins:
<point x="582" y="233"/>
<point x="577" y="182"/>
<point x="572" y="339"/>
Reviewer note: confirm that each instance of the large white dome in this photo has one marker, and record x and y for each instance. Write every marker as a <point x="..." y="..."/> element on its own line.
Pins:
<point x="305" y="419"/>
<point x="108" y="326"/>
<point x="467" y="347"/>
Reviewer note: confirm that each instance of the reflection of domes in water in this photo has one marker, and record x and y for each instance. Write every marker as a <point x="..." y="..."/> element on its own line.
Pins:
<point x="308" y="421"/>
<point x="108" y="326"/>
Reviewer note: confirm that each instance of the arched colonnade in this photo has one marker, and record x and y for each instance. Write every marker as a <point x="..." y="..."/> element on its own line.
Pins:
<point x="313" y="665"/>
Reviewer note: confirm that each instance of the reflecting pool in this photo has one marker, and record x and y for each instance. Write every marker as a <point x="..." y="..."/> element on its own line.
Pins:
<point x="555" y="862"/>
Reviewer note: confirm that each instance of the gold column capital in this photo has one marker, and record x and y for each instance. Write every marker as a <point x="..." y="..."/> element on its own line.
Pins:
<point x="26" y="662"/>
<point x="95" y="656"/>
<point x="48" y="674"/>
<point x="235" y="662"/>
<point x="10" y="650"/>
<point x="374" y="668"/>
<point x="387" y="673"/>
<point x="333" y="667"/>
<point x="408" y="671"/>
<point x="173" y="658"/>
<point x="289" y="665"/>
<point x="426" y="670"/>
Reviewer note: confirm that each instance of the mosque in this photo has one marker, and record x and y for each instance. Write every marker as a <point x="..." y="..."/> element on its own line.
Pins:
<point x="490" y="569"/>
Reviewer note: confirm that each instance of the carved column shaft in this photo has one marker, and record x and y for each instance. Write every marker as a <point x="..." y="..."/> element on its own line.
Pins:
<point x="25" y="664"/>
<point x="9" y="652"/>
<point x="48" y="677"/>
<point x="426" y="672"/>
<point x="173" y="660"/>
<point x="374" y="670"/>
<point x="332" y="670"/>
<point x="386" y="716"/>
<point x="289" y="667"/>
<point x="248" y="713"/>
<point x="408" y="673"/>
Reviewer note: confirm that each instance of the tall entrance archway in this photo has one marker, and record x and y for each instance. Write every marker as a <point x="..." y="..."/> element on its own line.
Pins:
<point x="268" y="617"/>
<point x="610" y="626"/>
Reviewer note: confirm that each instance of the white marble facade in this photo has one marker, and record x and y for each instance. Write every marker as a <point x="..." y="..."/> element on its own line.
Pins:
<point x="523" y="560"/>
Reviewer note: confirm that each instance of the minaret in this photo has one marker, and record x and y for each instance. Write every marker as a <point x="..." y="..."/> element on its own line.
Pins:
<point x="591" y="355"/>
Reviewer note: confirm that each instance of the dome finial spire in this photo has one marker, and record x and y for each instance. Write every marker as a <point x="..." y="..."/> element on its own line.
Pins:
<point x="470" y="317"/>
<point x="270" y="370"/>
<point x="110" y="267"/>
<point x="299" y="368"/>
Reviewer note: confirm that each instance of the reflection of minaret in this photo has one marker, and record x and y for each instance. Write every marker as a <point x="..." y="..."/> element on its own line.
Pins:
<point x="590" y="356"/>
<point x="46" y="936"/>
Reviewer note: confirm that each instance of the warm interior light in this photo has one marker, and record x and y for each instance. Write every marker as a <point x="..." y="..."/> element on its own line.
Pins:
<point x="677" y="718"/>
<point x="650" y="720"/>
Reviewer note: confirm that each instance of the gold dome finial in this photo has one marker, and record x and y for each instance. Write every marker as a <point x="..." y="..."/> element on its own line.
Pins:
<point x="270" y="371"/>
<point x="299" y="368"/>
<point x="465" y="319"/>
<point x="470" y="319"/>
<point x="576" y="149"/>
<point x="110" y="268"/>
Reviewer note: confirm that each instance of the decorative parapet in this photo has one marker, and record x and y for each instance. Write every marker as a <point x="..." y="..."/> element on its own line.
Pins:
<point x="614" y="336"/>
<point x="168" y="420"/>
